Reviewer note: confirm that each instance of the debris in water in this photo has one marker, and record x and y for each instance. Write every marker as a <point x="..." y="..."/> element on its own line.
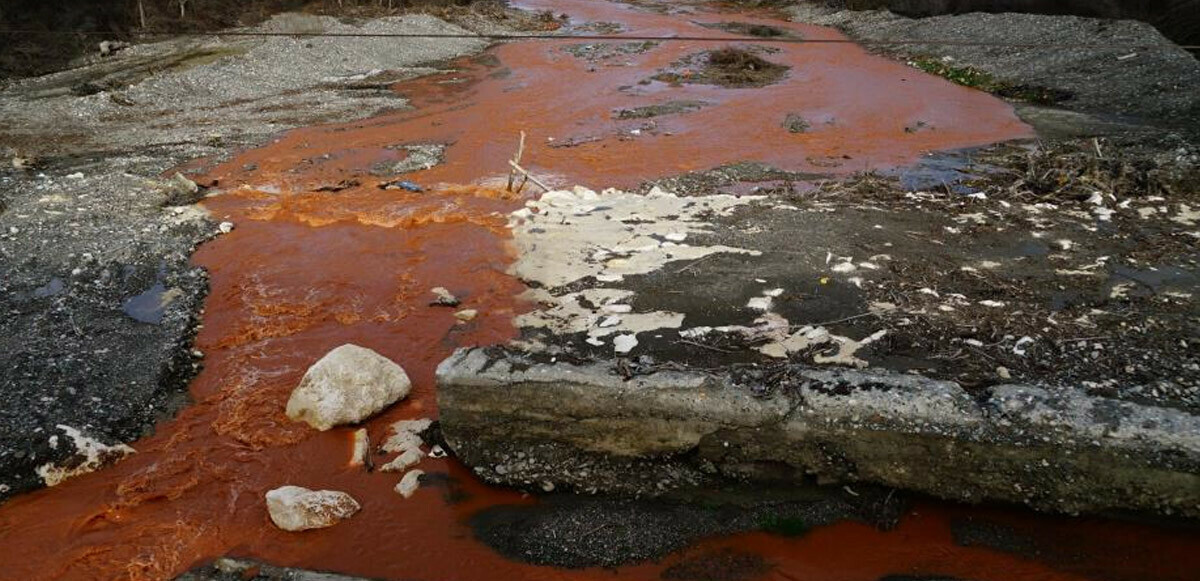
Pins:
<point x="405" y="435"/>
<point x="401" y="185"/>
<point x="361" y="455"/>
<point x="411" y="457"/>
<point x="409" y="483"/>
<point x="444" y="298"/>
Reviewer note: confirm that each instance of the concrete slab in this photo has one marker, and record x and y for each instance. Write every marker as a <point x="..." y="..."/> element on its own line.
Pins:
<point x="972" y="346"/>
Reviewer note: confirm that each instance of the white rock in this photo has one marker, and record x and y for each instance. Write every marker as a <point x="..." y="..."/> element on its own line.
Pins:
<point x="444" y="297"/>
<point x="411" y="457"/>
<point x="225" y="227"/>
<point x="348" y="385"/>
<point x="405" y="435"/>
<point x="410" y="483"/>
<point x="466" y="315"/>
<point x="294" y="508"/>
<point x="362" y="445"/>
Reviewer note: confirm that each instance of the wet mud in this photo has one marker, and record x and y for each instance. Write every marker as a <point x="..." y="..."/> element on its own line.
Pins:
<point x="309" y="267"/>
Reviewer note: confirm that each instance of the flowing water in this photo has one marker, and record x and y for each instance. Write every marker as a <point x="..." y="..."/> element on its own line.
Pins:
<point x="305" y="271"/>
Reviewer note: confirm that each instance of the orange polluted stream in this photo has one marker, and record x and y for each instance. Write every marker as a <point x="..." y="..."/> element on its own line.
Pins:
<point x="306" y="271"/>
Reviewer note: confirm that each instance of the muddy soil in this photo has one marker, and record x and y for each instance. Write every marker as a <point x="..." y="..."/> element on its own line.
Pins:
<point x="734" y="67"/>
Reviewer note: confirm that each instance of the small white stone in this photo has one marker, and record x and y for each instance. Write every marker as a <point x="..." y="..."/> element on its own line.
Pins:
<point x="411" y="457"/>
<point x="466" y="315"/>
<point x="358" y="456"/>
<point x="405" y="435"/>
<point x="225" y="227"/>
<point x="410" y="483"/>
<point x="293" y="508"/>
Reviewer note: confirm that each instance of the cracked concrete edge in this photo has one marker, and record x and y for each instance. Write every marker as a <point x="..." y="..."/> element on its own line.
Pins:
<point x="584" y="427"/>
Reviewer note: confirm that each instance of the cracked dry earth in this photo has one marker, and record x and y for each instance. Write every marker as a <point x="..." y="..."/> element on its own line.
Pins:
<point x="324" y="253"/>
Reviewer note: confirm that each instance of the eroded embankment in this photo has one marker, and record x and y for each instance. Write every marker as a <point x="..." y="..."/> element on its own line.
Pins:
<point x="320" y="256"/>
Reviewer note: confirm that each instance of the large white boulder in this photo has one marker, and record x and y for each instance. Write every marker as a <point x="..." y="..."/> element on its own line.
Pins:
<point x="348" y="385"/>
<point x="295" y="508"/>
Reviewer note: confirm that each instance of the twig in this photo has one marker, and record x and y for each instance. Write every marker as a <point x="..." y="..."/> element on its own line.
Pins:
<point x="1096" y="338"/>
<point x="703" y="346"/>
<point x="517" y="167"/>
<point x="695" y="262"/>
<point x="858" y="316"/>
<point x="517" y="159"/>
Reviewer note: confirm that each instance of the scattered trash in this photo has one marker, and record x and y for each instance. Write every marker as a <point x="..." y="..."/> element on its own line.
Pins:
<point x="401" y="185"/>
<point x="1019" y="348"/>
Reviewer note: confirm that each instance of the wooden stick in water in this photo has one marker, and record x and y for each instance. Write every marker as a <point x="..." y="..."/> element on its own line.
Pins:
<point x="517" y="167"/>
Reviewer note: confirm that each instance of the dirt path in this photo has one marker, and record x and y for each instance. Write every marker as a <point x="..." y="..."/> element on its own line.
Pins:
<point x="321" y="256"/>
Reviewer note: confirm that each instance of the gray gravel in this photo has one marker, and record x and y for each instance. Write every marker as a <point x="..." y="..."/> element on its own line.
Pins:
<point x="99" y="302"/>
<point x="232" y="89"/>
<point x="1117" y="89"/>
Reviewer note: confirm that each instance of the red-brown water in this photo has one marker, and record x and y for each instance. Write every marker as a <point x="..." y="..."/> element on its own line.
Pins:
<point x="307" y="271"/>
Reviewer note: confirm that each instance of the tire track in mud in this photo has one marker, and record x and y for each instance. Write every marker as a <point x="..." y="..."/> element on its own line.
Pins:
<point x="306" y="270"/>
